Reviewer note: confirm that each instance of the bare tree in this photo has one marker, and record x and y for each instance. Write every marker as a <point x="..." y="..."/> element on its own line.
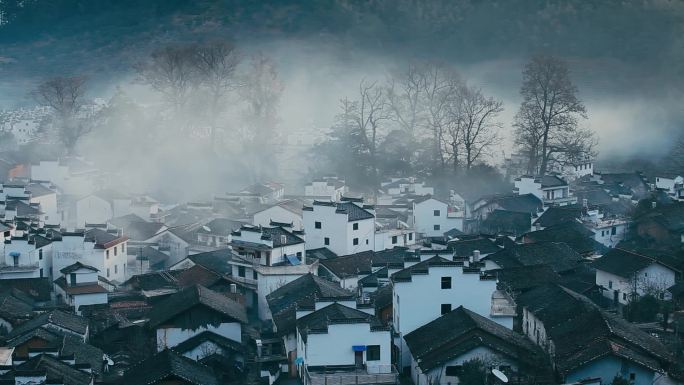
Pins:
<point x="261" y="91"/>
<point x="547" y="121"/>
<point x="171" y="71"/>
<point x="479" y="127"/>
<point x="65" y="95"/>
<point x="440" y="87"/>
<point x="216" y="64"/>
<point x="371" y="110"/>
<point x="406" y="101"/>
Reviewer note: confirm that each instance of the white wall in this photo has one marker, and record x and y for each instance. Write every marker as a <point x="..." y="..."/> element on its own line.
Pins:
<point x="653" y="278"/>
<point x="277" y="214"/>
<point x="338" y="230"/>
<point x="438" y="375"/>
<point x="384" y="238"/>
<point x="335" y="346"/>
<point x="424" y="218"/>
<point x="418" y="302"/>
<point x="93" y="209"/>
<point x="170" y="337"/>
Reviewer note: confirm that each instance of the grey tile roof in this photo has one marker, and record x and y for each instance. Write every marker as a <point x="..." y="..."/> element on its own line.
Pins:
<point x="302" y="292"/>
<point x="506" y="222"/>
<point x="559" y="256"/>
<point x="319" y="320"/>
<point x="192" y="296"/>
<point x="56" y="369"/>
<point x="460" y="331"/>
<point x="169" y="364"/>
<point x="466" y="247"/>
<point x="624" y="263"/>
<point x="58" y="318"/>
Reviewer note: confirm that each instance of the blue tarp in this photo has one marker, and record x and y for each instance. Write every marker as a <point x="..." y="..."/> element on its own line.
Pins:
<point x="359" y="348"/>
<point x="294" y="261"/>
<point x="14" y="254"/>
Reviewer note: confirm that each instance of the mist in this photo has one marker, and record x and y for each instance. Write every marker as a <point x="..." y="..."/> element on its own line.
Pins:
<point x="633" y="100"/>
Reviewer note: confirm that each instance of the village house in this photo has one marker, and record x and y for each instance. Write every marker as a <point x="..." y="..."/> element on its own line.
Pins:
<point x="551" y="189"/>
<point x="348" y="270"/>
<point x="287" y="211"/>
<point x="344" y="227"/>
<point x="625" y="275"/>
<point x="26" y="256"/>
<point x="192" y="311"/>
<point x="440" y="348"/>
<point x="669" y="183"/>
<point x="405" y="186"/>
<point x="297" y="295"/>
<point x="588" y="344"/>
<point x="524" y="203"/>
<point x="427" y="290"/>
<point x="72" y="175"/>
<point x="662" y="224"/>
<point x="331" y="187"/>
<point x="559" y="256"/>
<point x="341" y="344"/>
<point x="81" y="285"/>
<point x="433" y="217"/>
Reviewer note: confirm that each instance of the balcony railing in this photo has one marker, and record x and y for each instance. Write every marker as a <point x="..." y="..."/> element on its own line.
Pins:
<point x="378" y="374"/>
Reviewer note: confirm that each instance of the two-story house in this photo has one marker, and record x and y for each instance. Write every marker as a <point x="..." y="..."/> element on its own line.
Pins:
<point x="433" y="217"/>
<point x="81" y="285"/>
<point x="551" y="189"/>
<point x="344" y="227"/>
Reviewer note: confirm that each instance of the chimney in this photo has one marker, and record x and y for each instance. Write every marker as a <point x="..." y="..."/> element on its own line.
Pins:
<point x="283" y="239"/>
<point x="585" y="203"/>
<point x="476" y="256"/>
<point x="653" y="204"/>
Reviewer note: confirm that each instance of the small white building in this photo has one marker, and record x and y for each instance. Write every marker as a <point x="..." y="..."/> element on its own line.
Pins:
<point x="669" y="183"/>
<point x="624" y="275"/>
<point x="80" y="285"/>
<point x="289" y="211"/>
<point x="332" y="188"/>
<point x="345" y="227"/>
<point x="354" y="342"/>
<point x="551" y="189"/>
<point x="433" y="217"/>
<point x="26" y="256"/>
<point x="72" y="175"/>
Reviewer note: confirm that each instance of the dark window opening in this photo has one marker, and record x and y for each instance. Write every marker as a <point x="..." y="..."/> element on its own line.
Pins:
<point x="446" y="282"/>
<point x="445" y="308"/>
<point x="373" y="353"/>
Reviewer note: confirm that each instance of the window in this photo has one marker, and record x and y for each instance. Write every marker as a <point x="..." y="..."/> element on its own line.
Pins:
<point x="40" y="254"/>
<point x="241" y="271"/>
<point x="410" y="236"/>
<point x="326" y="241"/>
<point x="373" y="353"/>
<point x="613" y="231"/>
<point x="445" y="308"/>
<point x="355" y="226"/>
<point x="115" y="250"/>
<point x="355" y="241"/>
<point x="318" y="225"/>
<point x="107" y="272"/>
<point x="41" y="272"/>
<point x="254" y="274"/>
<point x="446" y="282"/>
<point x="366" y="241"/>
<point x="610" y="284"/>
<point x="116" y="269"/>
<point x="632" y="376"/>
<point x="435" y="213"/>
<point x="453" y="371"/>
<point x="624" y="296"/>
<point x="394" y="240"/>
<point x="436" y="227"/>
<point x="107" y="254"/>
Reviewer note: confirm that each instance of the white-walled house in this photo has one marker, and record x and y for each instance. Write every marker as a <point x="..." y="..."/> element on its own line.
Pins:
<point x="278" y="256"/>
<point x="289" y="211"/>
<point x="26" y="256"/>
<point x="624" y="274"/>
<point x="433" y="217"/>
<point x="345" y="227"/>
<point x="72" y="175"/>
<point x="439" y="348"/>
<point x="669" y="183"/>
<point x="195" y="310"/>
<point x="405" y="186"/>
<point x="106" y="251"/>
<point x="354" y="342"/>
<point x="332" y="188"/>
<point x="80" y="285"/>
<point x="427" y="290"/>
<point x="551" y="189"/>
